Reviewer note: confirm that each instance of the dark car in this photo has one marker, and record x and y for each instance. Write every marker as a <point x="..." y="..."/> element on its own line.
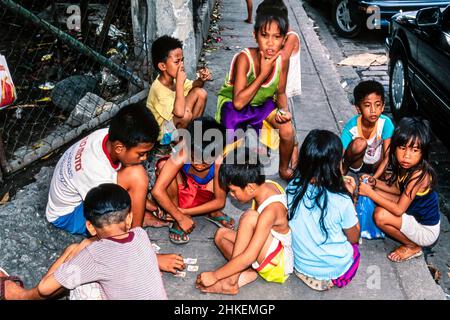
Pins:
<point x="419" y="66"/>
<point x="350" y="17"/>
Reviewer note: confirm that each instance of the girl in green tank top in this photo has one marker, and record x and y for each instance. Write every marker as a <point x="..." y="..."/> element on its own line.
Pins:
<point x="253" y="93"/>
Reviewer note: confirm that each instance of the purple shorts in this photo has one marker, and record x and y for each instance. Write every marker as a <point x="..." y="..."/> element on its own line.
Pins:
<point x="250" y="115"/>
<point x="345" y="279"/>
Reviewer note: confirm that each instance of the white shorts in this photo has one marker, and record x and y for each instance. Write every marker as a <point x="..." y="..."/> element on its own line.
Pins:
<point x="418" y="233"/>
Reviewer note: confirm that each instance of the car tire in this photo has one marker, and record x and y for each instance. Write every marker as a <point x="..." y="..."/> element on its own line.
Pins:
<point x="346" y="23"/>
<point x="400" y="97"/>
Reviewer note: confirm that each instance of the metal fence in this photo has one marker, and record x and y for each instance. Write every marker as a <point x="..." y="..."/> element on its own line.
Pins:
<point x="73" y="65"/>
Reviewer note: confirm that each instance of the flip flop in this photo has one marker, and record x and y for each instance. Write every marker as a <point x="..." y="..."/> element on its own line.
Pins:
<point x="218" y="219"/>
<point x="180" y="233"/>
<point x="415" y="255"/>
<point x="318" y="285"/>
<point x="7" y="278"/>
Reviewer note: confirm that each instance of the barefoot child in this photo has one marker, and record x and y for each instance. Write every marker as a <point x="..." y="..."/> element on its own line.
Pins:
<point x="173" y="99"/>
<point x="408" y="206"/>
<point x="367" y="136"/>
<point x="119" y="261"/>
<point x="322" y="217"/>
<point x="111" y="155"/>
<point x="256" y="78"/>
<point x="187" y="183"/>
<point x="262" y="244"/>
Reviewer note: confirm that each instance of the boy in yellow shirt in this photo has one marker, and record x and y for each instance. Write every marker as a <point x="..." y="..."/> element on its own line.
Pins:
<point x="174" y="100"/>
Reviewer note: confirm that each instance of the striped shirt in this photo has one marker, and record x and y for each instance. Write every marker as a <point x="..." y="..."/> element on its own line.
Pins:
<point x="125" y="269"/>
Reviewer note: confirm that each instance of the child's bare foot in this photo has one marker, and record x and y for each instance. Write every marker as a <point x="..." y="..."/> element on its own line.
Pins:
<point x="223" y="286"/>
<point x="248" y="20"/>
<point x="247" y="277"/>
<point x="151" y="221"/>
<point x="405" y="252"/>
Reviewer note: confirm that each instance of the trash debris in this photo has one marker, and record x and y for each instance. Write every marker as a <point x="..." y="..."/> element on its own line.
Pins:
<point x="18" y="113"/>
<point x="45" y="99"/>
<point x="47" y="86"/>
<point x="344" y="84"/>
<point x="5" y="198"/>
<point x="435" y="273"/>
<point x="113" y="31"/>
<point x="7" y="89"/>
<point x="108" y="79"/>
<point x="89" y="106"/>
<point x="68" y="92"/>
<point x="192" y="268"/>
<point x="190" y="260"/>
<point x="48" y="155"/>
<point x="47" y="57"/>
<point x="364" y="60"/>
<point x="122" y="48"/>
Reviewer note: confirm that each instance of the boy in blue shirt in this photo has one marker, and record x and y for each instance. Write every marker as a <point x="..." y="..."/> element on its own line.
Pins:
<point x="367" y="136"/>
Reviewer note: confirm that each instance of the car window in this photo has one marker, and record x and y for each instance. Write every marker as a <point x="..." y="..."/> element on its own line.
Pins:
<point x="446" y="19"/>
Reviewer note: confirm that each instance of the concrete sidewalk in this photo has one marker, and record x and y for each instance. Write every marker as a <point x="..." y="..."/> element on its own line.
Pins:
<point x="324" y="105"/>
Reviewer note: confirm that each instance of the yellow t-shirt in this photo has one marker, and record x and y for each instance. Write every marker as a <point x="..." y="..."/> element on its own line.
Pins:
<point x="160" y="101"/>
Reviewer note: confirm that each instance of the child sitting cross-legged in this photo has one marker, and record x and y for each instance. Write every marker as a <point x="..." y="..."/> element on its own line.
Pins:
<point x="187" y="182"/>
<point x="262" y="244"/>
<point x="118" y="261"/>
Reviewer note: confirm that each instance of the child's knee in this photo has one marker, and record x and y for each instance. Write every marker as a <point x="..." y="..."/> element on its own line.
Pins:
<point x="379" y="216"/>
<point x="249" y="216"/>
<point x="136" y="173"/>
<point x="359" y="146"/>
<point x="220" y="234"/>
<point x="286" y="131"/>
<point x="201" y="93"/>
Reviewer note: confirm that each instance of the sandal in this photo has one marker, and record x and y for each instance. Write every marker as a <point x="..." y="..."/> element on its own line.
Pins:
<point x="180" y="233"/>
<point x="402" y="252"/>
<point x="318" y="285"/>
<point x="218" y="220"/>
<point x="7" y="278"/>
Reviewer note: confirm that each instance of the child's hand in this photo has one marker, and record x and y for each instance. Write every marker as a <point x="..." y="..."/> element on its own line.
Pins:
<point x="181" y="74"/>
<point x="206" y="279"/>
<point x="371" y="181"/>
<point x="350" y="184"/>
<point x="204" y="74"/>
<point x="365" y="189"/>
<point x="267" y="64"/>
<point x="170" y="262"/>
<point x="186" y="224"/>
<point x="283" y="116"/>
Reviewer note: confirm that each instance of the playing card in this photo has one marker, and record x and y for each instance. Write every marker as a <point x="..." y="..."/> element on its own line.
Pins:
<point x="190" y="260"/>
<point x="180" y="274"/>
<point x="156" y="247"/>
<point x="192" y="268"/>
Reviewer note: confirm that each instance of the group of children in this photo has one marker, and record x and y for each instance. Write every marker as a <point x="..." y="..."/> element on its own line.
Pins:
<point x="100" y="189"/>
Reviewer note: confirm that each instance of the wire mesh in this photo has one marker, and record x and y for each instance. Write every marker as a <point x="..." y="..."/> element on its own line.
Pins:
<point x="71" y="63"/>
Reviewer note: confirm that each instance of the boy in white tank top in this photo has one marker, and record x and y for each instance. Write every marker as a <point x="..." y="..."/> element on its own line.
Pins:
<point x="262" y="244"/>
